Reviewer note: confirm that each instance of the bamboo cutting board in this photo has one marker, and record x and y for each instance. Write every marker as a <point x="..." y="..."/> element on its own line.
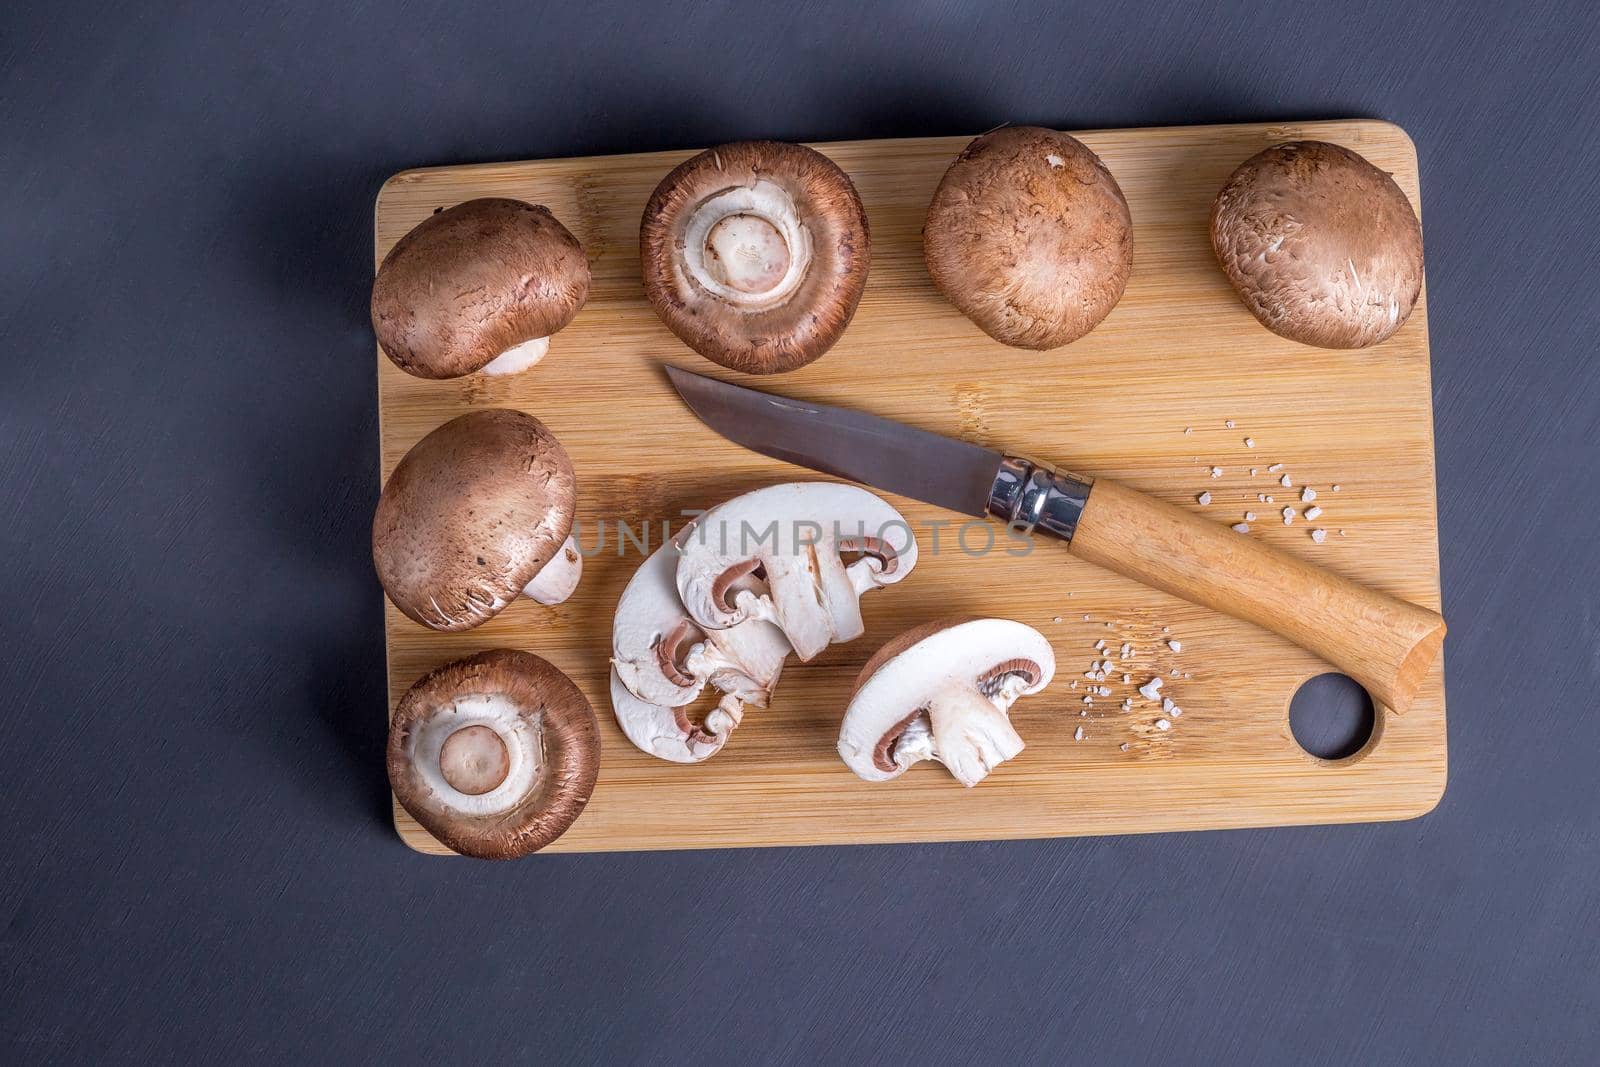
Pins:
<point x="1146" y="398"/>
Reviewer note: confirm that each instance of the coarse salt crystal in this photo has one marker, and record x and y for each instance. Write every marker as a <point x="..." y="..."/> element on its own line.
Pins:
<point x="1249" y="516"/>
<point x="1104" y="690"/>
<point x="1167" y="704"/>
<point x="1176" y="646"/>
<point x="1307" y="495"/>
<point x="1240" y="527"/>
<point x="1188" y="429"/>
<point x="1124" y="746"/>
<point x="1163" y="724"/>
<point x="1335" y="488"/>
<point x="1151" y="689"/>
<point x="1216" y="472"/>
<point x="1313" y="511"/>
<point x="1088" y="700"/>
<point x="1269" y="498"/>
<point x="1177" y="712"/>
<point x="1229" y="424"/>
<point x="1127" y="650"/>
<point x="1126" y="679"/>
<point x="1249" y="442"/>
<point x="1285" y="482"/>
<point x="1319" y="536"/>
<point x="1100" y="645"/>
<point x="1204" y="498"/>
<point x="1252" y="472"/>
<point x="1275" y="468"/>
<point x="1288" y="516"/>
<point x="1078" y="734"/>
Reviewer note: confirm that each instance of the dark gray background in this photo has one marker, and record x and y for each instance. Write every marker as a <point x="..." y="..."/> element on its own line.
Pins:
<point x="197" y="859"/>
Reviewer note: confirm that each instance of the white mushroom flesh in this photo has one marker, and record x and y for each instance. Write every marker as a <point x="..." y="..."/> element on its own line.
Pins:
<point x="747" y="246"/>
<point x="946" y="698"/>
<point x="558" y="578"/>
<point x="518" y="358"/>
<point x="775" y="555"/>
<point x="662" y="661"/>
<point x="453" y="752"/>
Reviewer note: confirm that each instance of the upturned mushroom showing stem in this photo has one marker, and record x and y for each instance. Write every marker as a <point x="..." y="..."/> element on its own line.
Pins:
<point x="942" y="691"/>
<point x="778" y="555"/>
<point x="755" y="254"/>
<point x="495" y="755"/>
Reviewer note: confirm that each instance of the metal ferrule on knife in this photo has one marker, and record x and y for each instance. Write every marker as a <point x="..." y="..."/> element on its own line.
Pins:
<point x="1029" y="496"/>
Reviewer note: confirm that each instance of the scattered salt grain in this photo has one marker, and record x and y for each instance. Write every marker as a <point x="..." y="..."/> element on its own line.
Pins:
<point x="1176" y="646"/>
<point x="1249" y="516"/>
<point x="1288" y="516"/>
<point x="1167" y="704"/>
<point x="1124" y="746"/>
<point x="1216" y="472"/>
<point x="1188" y="429"/>
<point x="1249" y="442"/>
<point x="1151" y="689"/>
<point x="1285" y="482"/>
<point x="1104" y="690"/>
<point x="1307" y="495"/>
<point x="1252" y="472"/>
<point x="1313" y="511"/>
<point x="1240" y="527"/>
<point x="1126" y="679"/>
<point x="1100" y="645"/>
<point x="1335" y="488"/>
<point x="1204" y="498"/>
<point x="1163" y="724"/>
<point x="1229" y="424"/>
<point x="1078" y="735"/>
<point x="1088" y="700"/>
<point x="1275" y="468"/>
<point x="1177" y="712"/>
<point x="1126" y="651"/>
<point x="1319" y="536"/>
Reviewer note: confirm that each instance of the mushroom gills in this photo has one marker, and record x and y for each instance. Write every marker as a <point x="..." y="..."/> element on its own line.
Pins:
<point x="557" y="580"/>
<point x="747" y="246"/>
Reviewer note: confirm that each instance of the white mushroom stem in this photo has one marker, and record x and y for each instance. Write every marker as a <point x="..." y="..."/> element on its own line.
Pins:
<point x="518" y="358"/>
<point x="971" y="733"/>
<point x="558" y="578"/>
<point x="747" y="246"/>
<point x="492" y="713"/>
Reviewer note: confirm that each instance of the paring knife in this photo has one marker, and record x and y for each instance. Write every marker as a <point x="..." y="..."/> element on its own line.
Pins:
<point x="1384" y="643"/>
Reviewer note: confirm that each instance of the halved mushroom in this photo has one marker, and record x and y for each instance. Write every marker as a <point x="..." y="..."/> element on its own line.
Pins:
<point x="476" y="514"/>
<point x="661" y="662"/>
<point x="942" y="691"/>
<point x="1322" y="246"/>
<point x="1029" y="236"/>
<point x="755" y="254"/>
<point x="479" y="286"/>
<point x="777" y="554"/>
<point x="495" y="755"/>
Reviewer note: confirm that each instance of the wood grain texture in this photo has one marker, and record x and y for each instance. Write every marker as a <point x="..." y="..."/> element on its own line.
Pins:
<point x="1178" y="352"/>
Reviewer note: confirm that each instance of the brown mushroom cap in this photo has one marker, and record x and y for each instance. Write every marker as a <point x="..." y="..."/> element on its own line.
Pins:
<point x="1322" y="246"/>
<point x="472" y="281"/>
<point x="470" y="515"/>
<point x="1029" y="236"/>
<point x="495" y="755"/>
<point x="755" y="254"/>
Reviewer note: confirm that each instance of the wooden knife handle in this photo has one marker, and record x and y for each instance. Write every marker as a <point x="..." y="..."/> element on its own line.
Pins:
<point x="1382" y="642"/>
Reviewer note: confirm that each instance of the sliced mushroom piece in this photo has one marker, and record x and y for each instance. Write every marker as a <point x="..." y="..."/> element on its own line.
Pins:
<point x="942" y="691"/>
<point x="755" y="254"/>
<point x="662" y="661"/>
<point x="1030" y="237"/>
<point x="479" y="286"/>
<point x="776" y="554"/>
<point x="1321" y="246"/>
<point x="495" y="755"/>
<point x="477" y="513"/>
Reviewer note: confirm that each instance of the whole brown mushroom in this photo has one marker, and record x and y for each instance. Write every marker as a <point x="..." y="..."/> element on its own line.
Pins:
<point x="1030" y="237"/>
<point x="1322" y="246"/>
<point x="495" y="755"/>
<point x="755" y="254"/>
<point x="479" y="286"/>
<point x="478" y="513"/>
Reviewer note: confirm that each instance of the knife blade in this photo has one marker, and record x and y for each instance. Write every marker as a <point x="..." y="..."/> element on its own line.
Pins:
<point x="1385" y="643"/>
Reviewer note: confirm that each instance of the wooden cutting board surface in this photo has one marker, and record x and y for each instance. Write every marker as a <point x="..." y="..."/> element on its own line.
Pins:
<point x="1146" y="398"/>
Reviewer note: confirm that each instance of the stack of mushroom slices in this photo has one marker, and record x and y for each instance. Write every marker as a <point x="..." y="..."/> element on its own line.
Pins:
<point x="942" y="691"/>
<point x="723" y="604"/>
<point x="495" y="755"/>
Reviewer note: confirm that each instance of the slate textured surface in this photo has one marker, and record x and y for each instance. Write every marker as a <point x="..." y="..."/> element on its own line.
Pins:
<point x="197" y="859"/>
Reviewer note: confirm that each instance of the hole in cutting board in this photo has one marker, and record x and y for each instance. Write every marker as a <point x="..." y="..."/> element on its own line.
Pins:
<point x="1331" y="716"/>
